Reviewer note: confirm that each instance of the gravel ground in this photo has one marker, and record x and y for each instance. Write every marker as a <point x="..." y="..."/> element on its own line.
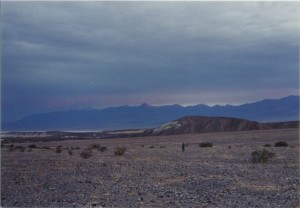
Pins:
<point x="154" y="172"/>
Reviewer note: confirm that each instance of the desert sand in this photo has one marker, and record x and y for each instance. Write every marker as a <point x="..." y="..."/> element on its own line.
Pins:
<point x="154" y="172"/>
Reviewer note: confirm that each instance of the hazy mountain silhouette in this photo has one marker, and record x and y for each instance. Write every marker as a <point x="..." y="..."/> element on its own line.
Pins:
<point x="147" y="116"/>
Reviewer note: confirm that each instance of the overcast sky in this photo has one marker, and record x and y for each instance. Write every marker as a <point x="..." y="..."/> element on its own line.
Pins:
<point x="69" y="55"/>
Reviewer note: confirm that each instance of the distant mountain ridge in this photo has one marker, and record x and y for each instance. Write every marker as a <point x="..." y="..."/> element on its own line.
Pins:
<point x="147" y="116"/>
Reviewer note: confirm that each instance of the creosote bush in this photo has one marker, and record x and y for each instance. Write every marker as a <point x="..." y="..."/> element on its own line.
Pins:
<point x="75" y="148"/>
<point x="281" y="144"/>
<point x="32" y="146"/>
<point x="206" y="144"/>
<point x="267" y="145"/>
<point x="102" y="148"/>
<point x="87" y="153"/>
<point x="58" y="149"/>
<point x="20" y="148"/>
<point x="120" y="150"/>
<point x="11" y="147"/>
<point x="261" y="156"/>
<point x="94" y="146"/>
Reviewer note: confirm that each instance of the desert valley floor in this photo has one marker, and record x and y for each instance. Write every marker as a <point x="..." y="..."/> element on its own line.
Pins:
<point x="154" y="172"/>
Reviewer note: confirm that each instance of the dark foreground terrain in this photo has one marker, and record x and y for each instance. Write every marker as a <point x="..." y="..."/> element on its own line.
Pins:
<point x="154" y="172"/>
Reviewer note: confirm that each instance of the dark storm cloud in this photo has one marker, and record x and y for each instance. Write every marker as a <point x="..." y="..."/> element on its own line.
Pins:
<point x="114" y="53"/>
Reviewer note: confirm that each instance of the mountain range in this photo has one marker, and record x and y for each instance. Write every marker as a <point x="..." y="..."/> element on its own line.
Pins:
<point x="147" y="116"/>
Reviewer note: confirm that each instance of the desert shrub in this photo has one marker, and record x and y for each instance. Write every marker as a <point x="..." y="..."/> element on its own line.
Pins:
<point x="32" y="146"/>
<point x="11" y="145"/>
<point x="206" y="144"/>
<point x="2" y="144"/>
<point x="229" y="147"/>
<point x="162" y="146"/>
<point x="74" y="148"/>
<point x="151" y="147"/>
<point x="267" y="145"/>
<point x="20" y="148"/>
<point x="44" y="147"/>
<point x="29" y="150"/>
<point x="94" y="146"/>
<point x="70" y="152"/>
<point x="58" y="149"/>
<point x="261" y="156"/>
<point x="120" y="150"/>
<point x="281" y="144"/>
<point x="11" y="148"/>
<point x="87" y="153"/>
<point x="102" y="148"/>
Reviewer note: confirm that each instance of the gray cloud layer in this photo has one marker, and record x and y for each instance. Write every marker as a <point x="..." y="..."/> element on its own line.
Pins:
<point x="56" y="54"/>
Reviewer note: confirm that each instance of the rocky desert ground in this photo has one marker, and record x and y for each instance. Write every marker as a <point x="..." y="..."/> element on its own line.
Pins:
<point x="154" y="172"/>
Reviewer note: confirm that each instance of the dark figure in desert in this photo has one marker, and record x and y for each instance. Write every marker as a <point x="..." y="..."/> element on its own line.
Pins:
<point x="182" y="147"/>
